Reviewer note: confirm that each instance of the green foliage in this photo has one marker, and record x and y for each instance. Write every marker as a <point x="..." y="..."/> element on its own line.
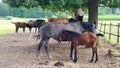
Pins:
<point x="30" y="3"/>
<point x="54" y="5"/>
<point x="105" y="10"/>
<point x="4" y="9"/>
<point x="14" y="3"/>
<point x="60" y="5"/>
<point x="110" y="3"/>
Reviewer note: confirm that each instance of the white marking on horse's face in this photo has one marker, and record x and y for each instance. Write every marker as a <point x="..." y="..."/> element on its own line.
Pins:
<point x="96" y="31"/>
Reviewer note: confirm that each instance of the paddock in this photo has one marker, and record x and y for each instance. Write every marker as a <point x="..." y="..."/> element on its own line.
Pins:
<point x="17" y="52"/>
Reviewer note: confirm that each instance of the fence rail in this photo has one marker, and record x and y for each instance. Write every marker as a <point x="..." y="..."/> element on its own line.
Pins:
<point x="111" y="30"/>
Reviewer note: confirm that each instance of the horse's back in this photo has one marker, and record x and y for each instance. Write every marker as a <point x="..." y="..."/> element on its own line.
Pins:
<point x="53" y="30"/>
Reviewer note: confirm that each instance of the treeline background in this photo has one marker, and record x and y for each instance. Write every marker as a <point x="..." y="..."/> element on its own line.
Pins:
<point x="37" y="12"/>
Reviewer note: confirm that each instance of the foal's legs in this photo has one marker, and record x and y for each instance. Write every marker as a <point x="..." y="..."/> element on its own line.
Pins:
<point x="30" y="29"/>
<point x="96" y="55"/>
<point x="93" y="52"/>
<point x="71" y="51"/>
<point x="16" y="29"/>
<point x="75" y="54"/>
<point x="23" y="29"/>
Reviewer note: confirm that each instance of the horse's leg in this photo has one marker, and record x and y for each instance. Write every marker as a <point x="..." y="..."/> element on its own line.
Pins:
<point x="42" y="42"/>
<point x="35" y="30"/>
<point x="17" y="29"/>
<point x="46" y="48"/>
<point x="23" y="29"/>
<point x="30" y="29"/>
<point x="93" y="52"/>
<point x="71" y="51"/>
<point x="75" y="54"/>
<point x="96" y="55"/>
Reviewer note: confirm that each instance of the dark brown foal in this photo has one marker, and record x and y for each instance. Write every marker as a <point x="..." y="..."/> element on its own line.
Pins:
<point x="80" y="39"/>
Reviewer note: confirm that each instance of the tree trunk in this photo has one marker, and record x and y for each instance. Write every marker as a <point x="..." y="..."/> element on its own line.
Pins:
<point x="93" y="10"/>
<point x="74" y="14"/>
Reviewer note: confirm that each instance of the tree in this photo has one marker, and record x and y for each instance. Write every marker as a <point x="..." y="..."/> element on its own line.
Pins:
<point x="93" y="10"/>
<point x="67" y="5"/>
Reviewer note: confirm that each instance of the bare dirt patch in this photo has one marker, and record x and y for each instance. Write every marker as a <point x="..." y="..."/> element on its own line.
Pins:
<point x="19" y="51"/>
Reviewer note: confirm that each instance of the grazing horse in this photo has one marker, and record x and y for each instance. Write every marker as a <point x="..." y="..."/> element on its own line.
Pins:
<point x="80" y="39"/>
<point x="52" y="30"/>
<point x="58" y="20"/>
<point x="35" y="24"/>
<point x="20" y="25"/>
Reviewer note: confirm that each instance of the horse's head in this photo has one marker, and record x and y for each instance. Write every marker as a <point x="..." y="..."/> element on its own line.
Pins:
<point x="79" y="18"/>
<point x="90" y="26"/>
<point x="94" y="28"/>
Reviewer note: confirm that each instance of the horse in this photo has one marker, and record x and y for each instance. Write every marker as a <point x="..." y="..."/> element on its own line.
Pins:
<point x="52" y="30"/>
<point x="35" y="24"/>
<point x="77" y="19"/>
<point x="72" y="20"/>
<point x="58" y="20"/>
<point x="76" y="39"/>
<point x="21" y="25"/>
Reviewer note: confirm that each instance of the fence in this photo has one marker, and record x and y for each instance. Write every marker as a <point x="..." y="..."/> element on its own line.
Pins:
<point x="110" y="30"/>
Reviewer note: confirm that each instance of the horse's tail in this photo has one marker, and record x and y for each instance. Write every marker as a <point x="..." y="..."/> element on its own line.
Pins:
<point x="13" y="22"/>
<point x="100" y="35"/>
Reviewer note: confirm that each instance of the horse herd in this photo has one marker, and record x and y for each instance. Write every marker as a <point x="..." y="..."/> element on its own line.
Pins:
<point x="31" y="24"/>
<point x="38" y="23"/>
<point x="65" y="30"/>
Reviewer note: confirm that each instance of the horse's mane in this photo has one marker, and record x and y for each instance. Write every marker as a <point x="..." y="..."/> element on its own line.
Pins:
<point x="87" y="24"/>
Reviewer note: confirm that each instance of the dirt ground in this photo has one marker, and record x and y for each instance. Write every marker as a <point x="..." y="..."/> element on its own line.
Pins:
<point x="19" y="51"/>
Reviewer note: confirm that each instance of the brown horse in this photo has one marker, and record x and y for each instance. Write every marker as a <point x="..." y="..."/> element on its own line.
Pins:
<point x="80" y="39"/>
<point x="58" y="20"/>
<point x="20" y="25"/>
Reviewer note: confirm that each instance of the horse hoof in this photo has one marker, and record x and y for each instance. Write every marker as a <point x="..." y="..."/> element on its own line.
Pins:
<point x="74" y="61"/>
<point x="96" y="60"/>
<point x="38" y="58"/>
<point x="50" y="57"/>
<point x="91" y="61"/>
<point x="71" y="58"/>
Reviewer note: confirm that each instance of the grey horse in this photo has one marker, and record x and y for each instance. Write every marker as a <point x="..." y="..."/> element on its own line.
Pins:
<point x="52" y="30"/>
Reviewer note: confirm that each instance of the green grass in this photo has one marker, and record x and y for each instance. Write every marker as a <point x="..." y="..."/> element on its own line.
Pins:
<point x="105" y="17"/>
<point x="108" y="17"/>
<point x="6" y="27"/>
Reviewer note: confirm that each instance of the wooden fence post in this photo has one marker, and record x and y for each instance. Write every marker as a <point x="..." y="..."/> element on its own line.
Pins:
<point x="118" y="33"/>
<point x="104" y="28"/>
<point x="100" y="26"/>
<point x="110" y="32"/>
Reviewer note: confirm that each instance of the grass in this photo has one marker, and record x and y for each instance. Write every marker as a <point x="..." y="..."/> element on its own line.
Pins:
<point x="6" y="27"/>
<point x="106" y="17"/>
